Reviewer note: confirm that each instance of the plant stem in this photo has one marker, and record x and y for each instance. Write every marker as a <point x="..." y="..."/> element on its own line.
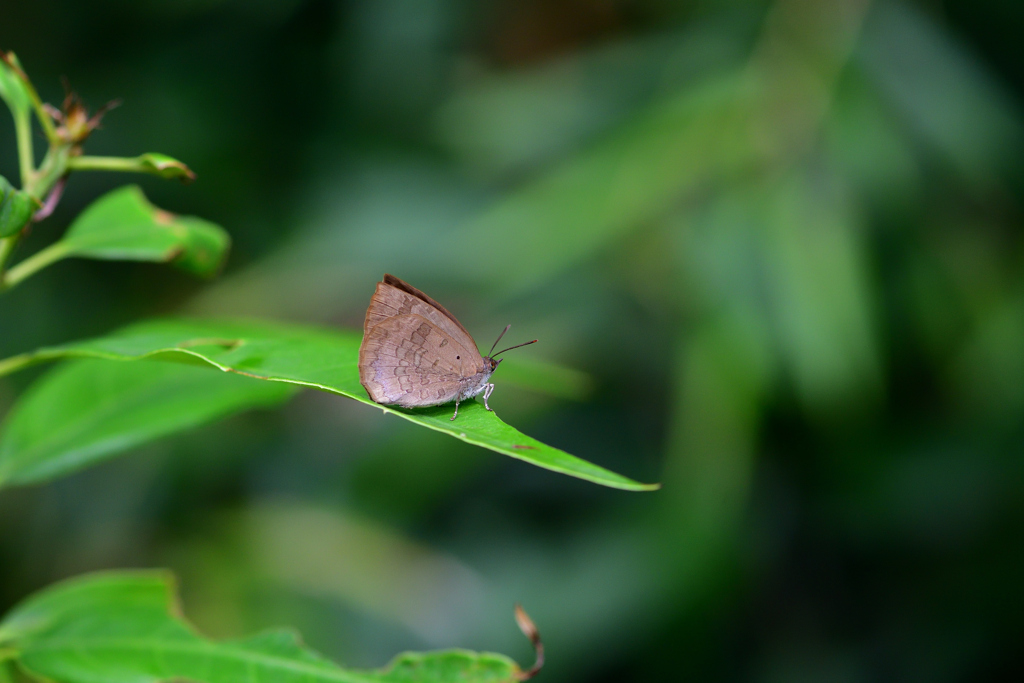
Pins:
<point x="54" y="166"/>
<point x="7" y="245"/>
<point x="34" y="263"/>
<point x="26" y="157"/>
<point x="26" y="167"/>
<point x="44" y="118"/>
<point x="156" y="164"/>
<point x="38" y="184"/>
<point x="106" y="164"/>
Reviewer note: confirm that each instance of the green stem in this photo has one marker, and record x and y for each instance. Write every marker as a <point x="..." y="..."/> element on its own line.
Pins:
<point x="38" y="184"/>
<point x="26" y="167"/>
<point x="55" y="165"/>
<point x="34" y="263"/>
<point x="26" y="157"/>
<point x="157" y="164"/>
<point x="44" y="119"/>
<point x="7" y="245"/>
<point x="130" y="165"/>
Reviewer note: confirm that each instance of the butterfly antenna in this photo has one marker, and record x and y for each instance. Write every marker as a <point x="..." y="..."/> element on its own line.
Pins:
<point x="489" y="353"/>
<point x="514" y="347"/>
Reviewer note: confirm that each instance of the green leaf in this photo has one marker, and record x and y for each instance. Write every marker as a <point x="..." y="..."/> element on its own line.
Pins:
<point x="321" y="359"/>
<point x="12" y="89"/>
<point x="16" y="208"/>
<point x="166" y="167"/>
<point x="88" y="410"/>
<point x="125" y="627"/>
<point x="123" y="226"/>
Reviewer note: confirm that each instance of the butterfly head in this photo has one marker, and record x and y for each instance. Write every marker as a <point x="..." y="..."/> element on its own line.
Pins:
<point x="493" y="359"/>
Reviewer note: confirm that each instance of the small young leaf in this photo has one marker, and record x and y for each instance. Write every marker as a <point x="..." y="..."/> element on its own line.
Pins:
<point x="321" y="359"/>
<point x="166" y="167"/>
<point x="125" y="627"/>
<point x="12" y="89"/>
<point x="88" y="410"/>
<point x="16" y="208"/>
<point x="123" y="226"/>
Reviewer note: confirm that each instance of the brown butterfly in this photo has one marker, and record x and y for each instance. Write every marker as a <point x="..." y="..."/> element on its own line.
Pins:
<point x="416" y="354"/>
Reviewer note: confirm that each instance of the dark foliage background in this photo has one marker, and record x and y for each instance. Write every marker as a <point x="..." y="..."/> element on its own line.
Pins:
<point x="782" y="237"/>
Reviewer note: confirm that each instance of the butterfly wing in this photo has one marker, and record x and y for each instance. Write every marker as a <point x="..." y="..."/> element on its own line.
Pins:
<point x="409" y="361"/>
<point x="394" y="297"/>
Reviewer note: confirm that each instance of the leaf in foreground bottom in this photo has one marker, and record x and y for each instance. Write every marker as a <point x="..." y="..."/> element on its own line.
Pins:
<point x="124" y="627"/>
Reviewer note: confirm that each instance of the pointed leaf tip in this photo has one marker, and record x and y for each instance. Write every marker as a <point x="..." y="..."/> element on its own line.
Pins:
<point x="166" y="167"/>
<point x="12" y="85"/>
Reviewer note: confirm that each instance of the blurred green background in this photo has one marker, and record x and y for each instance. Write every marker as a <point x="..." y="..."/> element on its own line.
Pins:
<point x="783" y="238"/>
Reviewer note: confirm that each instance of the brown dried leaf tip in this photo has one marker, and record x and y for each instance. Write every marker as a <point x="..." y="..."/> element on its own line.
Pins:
<point x="75" y="123"/>
<point x="529" y="630"/>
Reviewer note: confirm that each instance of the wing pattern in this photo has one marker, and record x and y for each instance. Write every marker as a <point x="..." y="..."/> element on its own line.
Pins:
<point x="395" y="297"/>
<point x="409" y="361"/>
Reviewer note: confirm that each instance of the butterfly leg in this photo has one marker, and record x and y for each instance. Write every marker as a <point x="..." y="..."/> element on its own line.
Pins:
<point x="456" y="409"/>
<point x="487" y="394"/>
